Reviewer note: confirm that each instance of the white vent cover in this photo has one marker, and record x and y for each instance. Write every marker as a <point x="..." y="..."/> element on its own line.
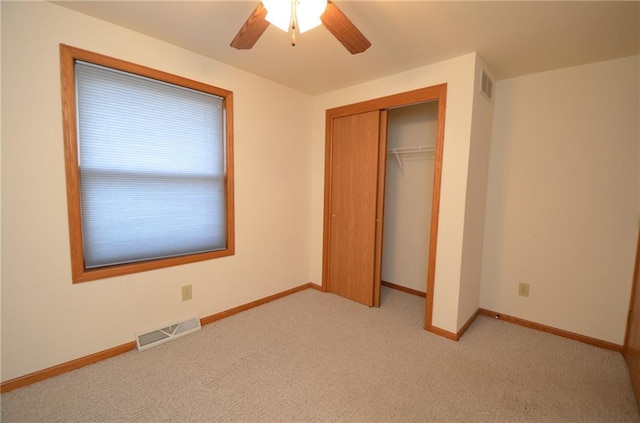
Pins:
<point x="486" y="85"/>
<point x="156" y="337"/>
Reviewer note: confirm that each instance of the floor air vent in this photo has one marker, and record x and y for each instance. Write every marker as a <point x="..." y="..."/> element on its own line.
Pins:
<point x="156" y="337"/>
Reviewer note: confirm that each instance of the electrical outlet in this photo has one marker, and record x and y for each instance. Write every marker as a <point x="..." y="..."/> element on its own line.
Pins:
<point x="186" y="293"/>
<point x="523" y="289"/>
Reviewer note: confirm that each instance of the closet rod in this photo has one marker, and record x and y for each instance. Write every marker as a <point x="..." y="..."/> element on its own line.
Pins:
<point x="408" y="150"/>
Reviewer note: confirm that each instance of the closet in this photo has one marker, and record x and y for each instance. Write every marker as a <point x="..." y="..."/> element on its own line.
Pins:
<point x="410" y="159"/>
<point x="357" y="159"/>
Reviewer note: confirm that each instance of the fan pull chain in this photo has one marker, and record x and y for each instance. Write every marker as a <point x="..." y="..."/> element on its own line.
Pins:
<point x="294" y="17"/>
<point x="293" y="34"/>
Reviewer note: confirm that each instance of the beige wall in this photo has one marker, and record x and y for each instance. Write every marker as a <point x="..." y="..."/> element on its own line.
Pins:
<point x="562" y="207"/>
<point x="459" y="74"/>
<point x="407" y="210"/>
<point x="46" y="320"/>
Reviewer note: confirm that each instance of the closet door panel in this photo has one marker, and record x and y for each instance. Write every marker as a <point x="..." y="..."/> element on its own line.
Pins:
<point x="354" y="198"/>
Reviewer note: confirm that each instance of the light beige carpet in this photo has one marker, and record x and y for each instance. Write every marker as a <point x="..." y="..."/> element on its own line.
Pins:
<point x="318" y="357"/>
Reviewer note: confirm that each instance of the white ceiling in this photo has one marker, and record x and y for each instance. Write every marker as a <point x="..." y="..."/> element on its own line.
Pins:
<point x="513" y="37"/>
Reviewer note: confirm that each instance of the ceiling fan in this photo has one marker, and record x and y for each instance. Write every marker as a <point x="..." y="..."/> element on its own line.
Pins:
<point x="299" y="16"/>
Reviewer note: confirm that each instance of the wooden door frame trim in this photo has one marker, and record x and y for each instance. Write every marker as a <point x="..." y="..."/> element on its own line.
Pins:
<point x="626" y="348"/>
<point x="382" y="169"/>
<point x="436" y="92"/>
<point x="634" y="287"/>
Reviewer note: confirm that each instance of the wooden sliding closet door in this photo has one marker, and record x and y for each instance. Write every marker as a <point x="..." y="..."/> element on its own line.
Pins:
<point x="355" y="211"/>
<point x="355" y="159"/>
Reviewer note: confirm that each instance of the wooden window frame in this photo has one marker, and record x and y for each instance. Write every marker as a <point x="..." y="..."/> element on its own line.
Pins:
<point x="68" y="56"/>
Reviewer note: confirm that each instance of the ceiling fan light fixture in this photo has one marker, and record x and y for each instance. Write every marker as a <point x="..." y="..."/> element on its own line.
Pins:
<point x="279" y="13"/>
<point x="307" y="13"/>
<point x="297" y="16"/>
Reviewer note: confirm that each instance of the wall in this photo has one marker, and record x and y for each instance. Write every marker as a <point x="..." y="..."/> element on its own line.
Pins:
<point x="47" y="320"/>
<point x="0" y="187"/>
<point x="408" y="197"/>
<point x="477" y="181"/>
<point x="459" y="74"/>
<point x="563" y="198"/>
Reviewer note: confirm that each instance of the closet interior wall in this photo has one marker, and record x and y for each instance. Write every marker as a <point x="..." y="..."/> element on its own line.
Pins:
<point x="408" y="194"/>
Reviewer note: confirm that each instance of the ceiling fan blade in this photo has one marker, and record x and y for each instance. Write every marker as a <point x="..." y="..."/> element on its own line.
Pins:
<point x="252" y="29"/>
<point x="343" y="29"/>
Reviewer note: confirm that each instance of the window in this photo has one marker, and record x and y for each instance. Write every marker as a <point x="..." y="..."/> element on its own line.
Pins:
<point x="149" y="167"/>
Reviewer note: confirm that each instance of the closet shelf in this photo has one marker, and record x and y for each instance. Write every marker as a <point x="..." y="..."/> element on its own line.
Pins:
<point x="409" y="150"/>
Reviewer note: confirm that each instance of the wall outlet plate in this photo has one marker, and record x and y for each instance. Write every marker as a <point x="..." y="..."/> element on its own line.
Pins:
<point x="187" y="293"/>
<point x="523" y="289"/>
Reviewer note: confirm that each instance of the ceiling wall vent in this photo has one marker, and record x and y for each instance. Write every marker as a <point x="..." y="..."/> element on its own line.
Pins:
<point x="486" y="85"/>
<point x="167" y="333"/>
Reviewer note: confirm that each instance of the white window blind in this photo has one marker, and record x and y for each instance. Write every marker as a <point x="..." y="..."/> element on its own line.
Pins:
<point x="152" y="167"/>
